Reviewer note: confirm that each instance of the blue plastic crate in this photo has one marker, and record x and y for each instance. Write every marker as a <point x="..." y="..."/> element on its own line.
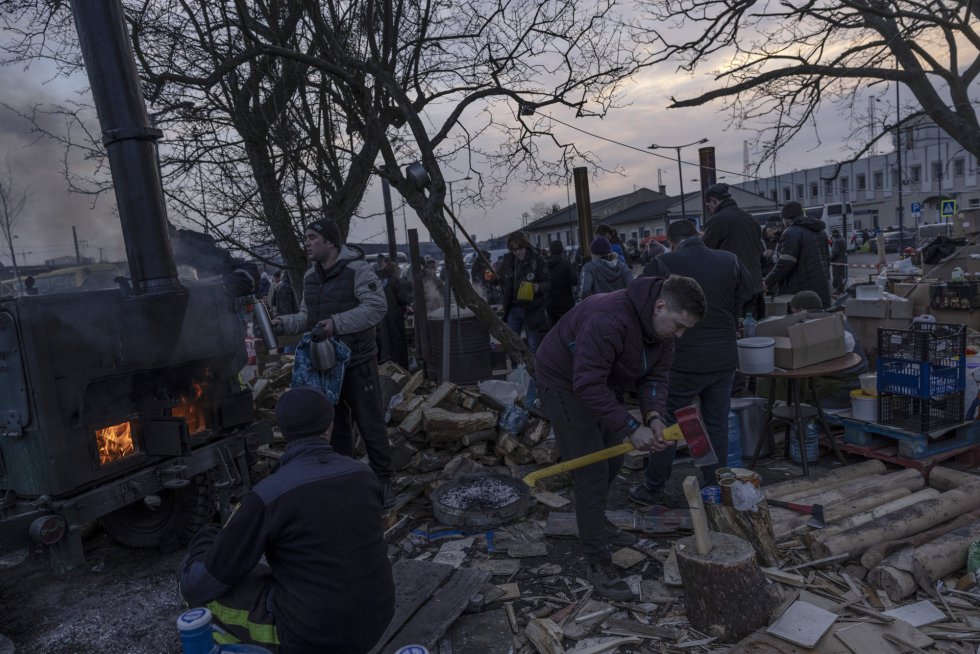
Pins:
<point x="922" y="379"/>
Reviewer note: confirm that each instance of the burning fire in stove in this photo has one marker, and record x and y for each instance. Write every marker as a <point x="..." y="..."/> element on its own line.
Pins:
<point x="193" y="410"/>
<point x="115" y="442"/>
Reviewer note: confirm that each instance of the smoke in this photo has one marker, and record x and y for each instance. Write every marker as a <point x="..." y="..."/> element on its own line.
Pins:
<point x="40" y="164"/>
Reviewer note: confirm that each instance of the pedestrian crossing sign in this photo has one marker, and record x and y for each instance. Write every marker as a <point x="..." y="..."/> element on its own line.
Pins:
<point x="948" y="208"/>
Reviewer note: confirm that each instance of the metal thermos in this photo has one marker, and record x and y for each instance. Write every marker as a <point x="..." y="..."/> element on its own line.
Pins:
<point x="264" y="322"/>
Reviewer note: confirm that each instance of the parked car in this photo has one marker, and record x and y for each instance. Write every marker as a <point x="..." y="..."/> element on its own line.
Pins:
<point x="894" y="239"/>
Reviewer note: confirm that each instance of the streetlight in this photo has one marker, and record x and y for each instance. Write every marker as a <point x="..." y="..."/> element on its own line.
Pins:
<point x="680" y="171"/>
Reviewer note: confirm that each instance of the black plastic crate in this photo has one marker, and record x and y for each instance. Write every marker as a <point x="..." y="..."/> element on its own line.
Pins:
<point x="917" y="414"/>
<point x="934" y="342"/>
<point x="955" y="296"/>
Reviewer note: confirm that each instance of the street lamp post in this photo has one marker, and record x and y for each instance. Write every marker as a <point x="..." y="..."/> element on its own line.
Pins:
<point x="680" y="171"/>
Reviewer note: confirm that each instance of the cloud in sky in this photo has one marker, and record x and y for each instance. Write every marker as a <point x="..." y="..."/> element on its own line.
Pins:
<point x="45" y="229"/>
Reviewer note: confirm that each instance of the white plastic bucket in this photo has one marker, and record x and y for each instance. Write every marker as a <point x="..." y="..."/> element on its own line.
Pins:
<point x="864" y="406"/>
<point x="755" y="355"/>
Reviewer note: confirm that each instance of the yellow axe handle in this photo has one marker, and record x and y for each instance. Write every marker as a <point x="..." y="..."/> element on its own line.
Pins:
<point x="672" y="433"/>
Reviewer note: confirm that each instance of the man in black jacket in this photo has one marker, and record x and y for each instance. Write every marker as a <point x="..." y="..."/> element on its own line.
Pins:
<point x="526" y="280"/>
<point x="734" y="230"/>
<point x="705" y="356"/>
<point x="838" y="261"/>
<point x="342" y="294"/>
<point x="802" y="256"/>
<point x="564" y="280"/>
<point x="327" y="585"/>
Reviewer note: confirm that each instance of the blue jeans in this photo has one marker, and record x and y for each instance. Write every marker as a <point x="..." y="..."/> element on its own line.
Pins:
<point x="517" y="321"/>
<point x="714" y="389"/>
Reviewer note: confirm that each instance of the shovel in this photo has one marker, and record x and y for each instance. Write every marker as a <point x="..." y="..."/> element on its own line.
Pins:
<point x="689" y="427"/>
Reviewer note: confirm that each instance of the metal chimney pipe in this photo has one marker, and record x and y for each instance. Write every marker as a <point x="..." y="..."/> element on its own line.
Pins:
<point x="128" y="138"/>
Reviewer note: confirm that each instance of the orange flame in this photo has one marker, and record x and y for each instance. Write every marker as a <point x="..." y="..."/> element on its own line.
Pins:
<point x="192" y="411"/>
<point x="114" y="442"/>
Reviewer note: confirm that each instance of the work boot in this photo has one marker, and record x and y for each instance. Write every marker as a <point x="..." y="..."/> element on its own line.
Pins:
<point x="617" y="536"/>
<point x="608" y="582"/>
<point x="643" y="495"/>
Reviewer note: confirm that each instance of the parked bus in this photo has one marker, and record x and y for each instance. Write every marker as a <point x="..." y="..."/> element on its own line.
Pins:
<point x="835" y="215"/>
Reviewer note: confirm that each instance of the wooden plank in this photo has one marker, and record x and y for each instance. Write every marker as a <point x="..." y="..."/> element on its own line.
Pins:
<point x="415" y="581"/>
<point x="481" y="634"/>
<point x="802" y="624"/>
<point x="434" y="617"/>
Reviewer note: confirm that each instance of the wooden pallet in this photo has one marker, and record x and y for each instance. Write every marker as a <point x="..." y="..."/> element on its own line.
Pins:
<point x="910" y="445"/>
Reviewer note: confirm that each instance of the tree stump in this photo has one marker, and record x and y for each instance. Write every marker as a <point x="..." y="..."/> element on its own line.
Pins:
<point x="725" y="592"/>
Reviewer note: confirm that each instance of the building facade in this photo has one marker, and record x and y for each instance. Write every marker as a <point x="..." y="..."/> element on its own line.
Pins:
<point x="933" y="166"/>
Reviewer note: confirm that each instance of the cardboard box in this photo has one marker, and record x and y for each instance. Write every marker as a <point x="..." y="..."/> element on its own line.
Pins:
<point x="778" y="305"/>
<point x="803" y="340"/>
<point x="856" y="308"/>
<point x="966" y="222"/>
<point x="900" y="309"/>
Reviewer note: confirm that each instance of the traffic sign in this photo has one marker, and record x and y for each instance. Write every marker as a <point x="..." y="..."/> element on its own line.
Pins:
<point x="916" y="207"/>
<point x="949" y="208"/>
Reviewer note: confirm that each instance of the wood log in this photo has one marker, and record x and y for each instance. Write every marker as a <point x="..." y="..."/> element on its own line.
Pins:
<point x="536" y="431"/>
<point x="875" y="554"/>
<point x="479" y="436"/>
<point x="755" y="527"/>
<point x="943" y="556"/>
<point x="901" y="523"/>
<point x="402" y="411"/>
<point x="947" y="479"/>
<point x="838" y="505"/>
<point x="725" y="592"/>
<point x="441" y="425"/>
<point x="896" y="583"/>
<point x="856" y="489"/>
<point x="545" y="635"/>
<point x="413" y="383"/>
<point x="413" y="421"/>
<point x="899" y="498"/>
<point x="784" y="488"/>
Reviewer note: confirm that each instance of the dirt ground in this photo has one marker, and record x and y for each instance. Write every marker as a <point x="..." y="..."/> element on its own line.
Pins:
<point x="124" y="601"/>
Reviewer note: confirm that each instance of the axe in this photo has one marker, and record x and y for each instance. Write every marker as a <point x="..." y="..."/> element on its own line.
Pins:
<point x="815" y="510"/>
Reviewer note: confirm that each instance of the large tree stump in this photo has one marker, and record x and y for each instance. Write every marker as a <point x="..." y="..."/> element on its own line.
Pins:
<point x="725" y="592"/>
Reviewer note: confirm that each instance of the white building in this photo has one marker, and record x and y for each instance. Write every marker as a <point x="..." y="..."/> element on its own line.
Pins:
<point x="934" y="168"/>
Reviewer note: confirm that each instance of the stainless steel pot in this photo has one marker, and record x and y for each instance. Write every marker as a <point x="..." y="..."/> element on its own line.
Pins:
<point x="323" y="356"/>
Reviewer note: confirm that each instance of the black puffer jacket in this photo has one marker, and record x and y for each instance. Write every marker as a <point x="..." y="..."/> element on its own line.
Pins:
<point x="564" y="280"/>
<point x="734" y="230"/>
<point x="534" y="269"/>
<point x="804" y="260"/>
<point x="350" y="293"/>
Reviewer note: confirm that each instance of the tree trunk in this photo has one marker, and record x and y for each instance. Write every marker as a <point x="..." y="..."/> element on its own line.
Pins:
<point x="753" y="526"/>
<point x="943" y="556"/>
<point x="875" y="554"/>
<point x="787" y="490"/>
<point x="725" y="592"/>
<point x="902" y="523"/>
<point x="902" y="498"/>
<point x="898" y="584"/>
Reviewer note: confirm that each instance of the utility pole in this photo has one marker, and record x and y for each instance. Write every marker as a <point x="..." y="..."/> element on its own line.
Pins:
<point x="898" y="158"/>
<point x="78" y="255"/>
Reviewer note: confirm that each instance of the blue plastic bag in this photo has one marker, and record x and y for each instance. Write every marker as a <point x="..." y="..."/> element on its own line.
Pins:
<point x="328" y="381"/>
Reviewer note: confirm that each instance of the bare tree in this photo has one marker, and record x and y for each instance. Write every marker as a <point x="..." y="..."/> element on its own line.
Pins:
<point x="13" y="199"/>
<point x="778" y="62"/>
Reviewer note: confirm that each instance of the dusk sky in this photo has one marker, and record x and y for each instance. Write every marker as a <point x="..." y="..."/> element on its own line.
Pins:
<point x="44" y="231"/>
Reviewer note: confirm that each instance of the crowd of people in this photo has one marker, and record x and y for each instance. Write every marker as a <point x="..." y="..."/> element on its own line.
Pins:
<point x="301" y="566"/>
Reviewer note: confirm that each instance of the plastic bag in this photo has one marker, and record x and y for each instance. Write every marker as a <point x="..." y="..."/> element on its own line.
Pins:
<point x="328" y="381"/>
<point x="521" y="377"/>
<point x="504" y="392"/>
<point x="746" y="497"/>
<point x="513" y="419"/>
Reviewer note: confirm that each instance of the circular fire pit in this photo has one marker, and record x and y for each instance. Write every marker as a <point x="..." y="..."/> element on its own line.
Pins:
<point x="480" y="501"/>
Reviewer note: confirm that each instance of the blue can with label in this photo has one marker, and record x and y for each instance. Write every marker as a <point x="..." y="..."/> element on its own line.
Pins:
<point x="413" y="649"/>
<point x="711" y="494"/>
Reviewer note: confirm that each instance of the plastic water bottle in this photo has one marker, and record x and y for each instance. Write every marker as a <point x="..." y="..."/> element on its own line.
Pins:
<point x="194" y="626"/>
<point x="734" y="441"/>
<point x="811" y="443"/>
<point x="748" y="326"/>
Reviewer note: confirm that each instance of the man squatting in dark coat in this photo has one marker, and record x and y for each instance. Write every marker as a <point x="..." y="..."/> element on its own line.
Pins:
<point x="607" y="341"/>
<point x="325" y="584"/>
<point x="343" y="295"/>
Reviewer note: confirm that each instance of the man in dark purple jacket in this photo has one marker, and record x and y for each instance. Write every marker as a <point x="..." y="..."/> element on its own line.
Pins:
<point x="611" y="340"/>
